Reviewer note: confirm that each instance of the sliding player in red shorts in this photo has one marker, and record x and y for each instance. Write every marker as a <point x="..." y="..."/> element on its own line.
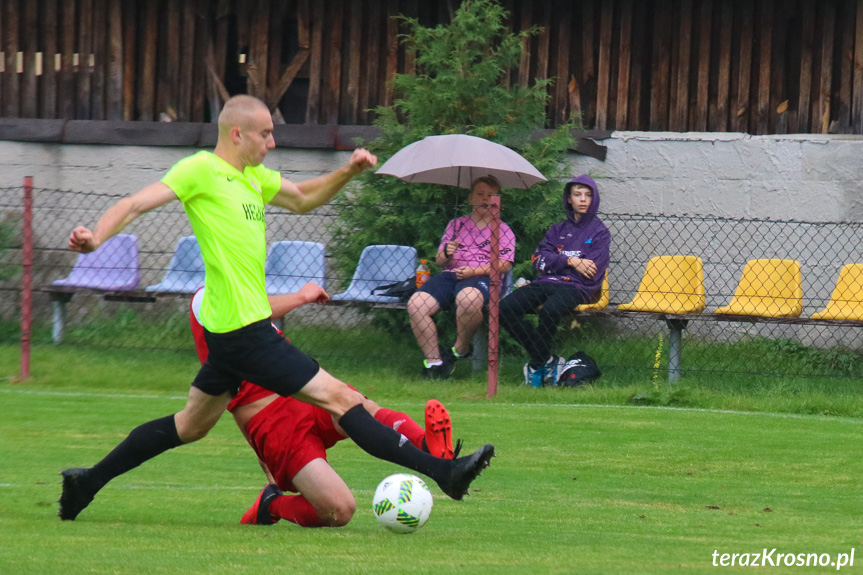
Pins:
<point x="291" y="438"/>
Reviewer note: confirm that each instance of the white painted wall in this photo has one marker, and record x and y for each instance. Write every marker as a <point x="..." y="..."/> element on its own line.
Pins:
<point x="793" y="177"/>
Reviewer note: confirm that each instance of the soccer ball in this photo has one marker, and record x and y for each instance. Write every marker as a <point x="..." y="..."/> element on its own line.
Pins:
<point x="402" y="503"/>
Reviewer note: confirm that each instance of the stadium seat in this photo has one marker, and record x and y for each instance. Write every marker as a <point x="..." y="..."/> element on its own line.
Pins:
<point x="601" y="302"/>
<point x="379" y="265"/>
<point x="114" y="266"/>
<point x="291" y="264"/>
<point x="671" y="284"/>
<point x="767" y="288"/>
<point x="185" y="272"/>
<point x="847" y="300"/>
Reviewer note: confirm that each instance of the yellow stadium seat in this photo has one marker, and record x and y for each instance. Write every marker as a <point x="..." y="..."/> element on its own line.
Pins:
<point x="767" y="288"/>
<point x="671" y="284"/>
<point x="601" y="302"/>
<point x="847" y="300"/>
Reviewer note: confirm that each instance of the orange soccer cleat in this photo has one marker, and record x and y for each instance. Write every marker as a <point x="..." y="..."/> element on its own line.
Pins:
<point x="438" y="427"/>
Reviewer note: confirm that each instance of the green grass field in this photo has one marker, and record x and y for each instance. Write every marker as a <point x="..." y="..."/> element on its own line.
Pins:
<point x="577" y="487"/>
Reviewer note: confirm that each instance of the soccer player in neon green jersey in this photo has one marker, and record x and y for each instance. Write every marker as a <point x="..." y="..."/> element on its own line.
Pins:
<point x="224" y="194"/>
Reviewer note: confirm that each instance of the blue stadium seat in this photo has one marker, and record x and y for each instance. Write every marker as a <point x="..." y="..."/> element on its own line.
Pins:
<point x="185" y="272"/>
<point x="114" y="266"/>
<point x="379" y="265"/>
<point x="291" y="264"/>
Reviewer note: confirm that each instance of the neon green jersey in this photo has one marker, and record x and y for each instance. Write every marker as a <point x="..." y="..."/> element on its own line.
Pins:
<point x="226" y="210"/>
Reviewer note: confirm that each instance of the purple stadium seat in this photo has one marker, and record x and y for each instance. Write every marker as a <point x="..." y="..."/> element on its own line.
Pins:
<point x="114" y="266"/>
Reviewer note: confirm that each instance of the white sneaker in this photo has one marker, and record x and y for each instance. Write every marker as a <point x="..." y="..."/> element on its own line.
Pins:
<point x="553" y="369"/>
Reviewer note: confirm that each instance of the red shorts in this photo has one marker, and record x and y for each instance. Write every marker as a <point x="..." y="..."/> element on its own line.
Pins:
<point x="288" y="434"/>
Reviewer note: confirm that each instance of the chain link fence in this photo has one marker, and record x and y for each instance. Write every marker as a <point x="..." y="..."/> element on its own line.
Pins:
<point x="154" y="315"/>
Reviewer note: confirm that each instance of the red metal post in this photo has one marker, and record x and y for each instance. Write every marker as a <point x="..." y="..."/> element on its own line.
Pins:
<point x="27" y="278"/>
<point x="494" y="296"/>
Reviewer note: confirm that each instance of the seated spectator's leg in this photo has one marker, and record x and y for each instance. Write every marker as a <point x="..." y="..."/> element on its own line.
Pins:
<point x="469" y="303"/>
<point x="513" y="308"/>
<point x="557" y="307"/>
<point x="421" y="307"/>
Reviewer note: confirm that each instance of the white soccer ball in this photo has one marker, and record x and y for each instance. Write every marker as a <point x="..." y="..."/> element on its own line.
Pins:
<point x="402" y="503"/>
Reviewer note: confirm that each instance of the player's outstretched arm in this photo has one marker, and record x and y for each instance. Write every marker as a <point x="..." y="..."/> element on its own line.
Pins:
<point x="310" y="293"/>
<point x="119" y="216"/>
<point x="306" y="196"/>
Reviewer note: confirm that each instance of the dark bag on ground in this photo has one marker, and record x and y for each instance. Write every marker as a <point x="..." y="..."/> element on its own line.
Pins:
<point x="402" y="290"/>
<point x="579" y="368"/>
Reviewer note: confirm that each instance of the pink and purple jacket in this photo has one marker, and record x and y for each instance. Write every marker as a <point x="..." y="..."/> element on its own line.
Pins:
<point x="474" y="248"/>
<point x="586" y="238"/>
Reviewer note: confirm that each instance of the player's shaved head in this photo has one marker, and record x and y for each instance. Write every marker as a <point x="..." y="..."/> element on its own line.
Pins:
<point x="239" y="111"/>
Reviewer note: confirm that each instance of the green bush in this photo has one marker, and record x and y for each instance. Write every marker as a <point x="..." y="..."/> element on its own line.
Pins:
<point x="10" y="239"/>
<point x="459" y="88"/>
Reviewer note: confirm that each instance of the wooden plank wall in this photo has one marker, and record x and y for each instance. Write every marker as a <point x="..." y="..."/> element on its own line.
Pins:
<point x="757" y="66"/>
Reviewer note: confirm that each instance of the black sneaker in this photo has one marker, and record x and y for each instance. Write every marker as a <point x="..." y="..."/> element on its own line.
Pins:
<point x="465" y="470"/>
<point x="451" y="354"/>
<point x="79" y="489"/>
<point x="441" y="371"/>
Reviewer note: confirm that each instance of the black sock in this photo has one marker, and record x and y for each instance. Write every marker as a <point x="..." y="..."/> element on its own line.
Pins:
<point x="144" y="442"/>
<point x="383" y="442"/>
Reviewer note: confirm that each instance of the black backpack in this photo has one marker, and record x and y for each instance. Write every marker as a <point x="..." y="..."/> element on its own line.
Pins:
<point x="579" y="368"/>
<point x="402" y="290"/>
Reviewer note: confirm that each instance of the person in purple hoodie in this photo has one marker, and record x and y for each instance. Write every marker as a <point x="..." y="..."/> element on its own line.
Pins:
<point x="570" y="263"/>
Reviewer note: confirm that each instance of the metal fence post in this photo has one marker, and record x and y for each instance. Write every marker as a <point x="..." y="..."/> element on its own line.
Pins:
<point x="494" y="296"/>
<point x="675" y="327"/>
<point x="27" y="278"/>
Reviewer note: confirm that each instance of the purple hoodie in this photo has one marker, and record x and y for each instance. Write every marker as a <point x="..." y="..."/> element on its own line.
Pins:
<point x="586" y="238"/>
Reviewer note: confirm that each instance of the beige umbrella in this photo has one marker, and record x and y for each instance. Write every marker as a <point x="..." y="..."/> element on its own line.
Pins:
<point x="458" y="160"/>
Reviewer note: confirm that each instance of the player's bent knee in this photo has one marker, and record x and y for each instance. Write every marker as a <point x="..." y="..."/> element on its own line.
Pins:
<point x="189" y="432"/>
<point x="200" y="415"/>
<point x="339" y="513"/>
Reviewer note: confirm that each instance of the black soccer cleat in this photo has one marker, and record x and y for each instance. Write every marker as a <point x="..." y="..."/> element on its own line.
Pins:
<point x="465" y="470"/>
<point x="79" y="489"/>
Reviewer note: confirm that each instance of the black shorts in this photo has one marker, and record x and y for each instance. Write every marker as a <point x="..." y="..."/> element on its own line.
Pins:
<point x="255" y="353"/>
<point x="445" y="286"/>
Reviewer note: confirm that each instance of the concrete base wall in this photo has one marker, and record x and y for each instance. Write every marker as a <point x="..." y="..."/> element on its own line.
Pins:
<point x="795" y="177"/>
<point x="125" y="169"/>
